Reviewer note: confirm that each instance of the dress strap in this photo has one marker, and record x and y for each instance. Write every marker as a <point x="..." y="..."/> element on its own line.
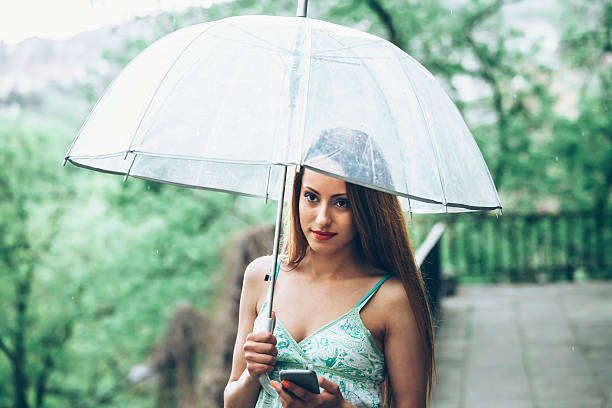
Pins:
<point x="371" y="293"/>
<point x="277" y="269"/>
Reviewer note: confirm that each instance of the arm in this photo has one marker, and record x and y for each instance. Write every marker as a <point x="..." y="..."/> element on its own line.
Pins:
<point x="243" y="386"/>
<point x="403" y="353"/>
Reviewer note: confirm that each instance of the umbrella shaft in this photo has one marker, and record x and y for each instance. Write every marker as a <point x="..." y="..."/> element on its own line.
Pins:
<point x="277" y="229"/>
<point x="301" y="8"/>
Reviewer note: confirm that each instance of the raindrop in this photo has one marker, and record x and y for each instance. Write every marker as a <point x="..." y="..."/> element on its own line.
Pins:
<point x="73" y="297"/>
<point x="451" y="12"/>
<point x="572" y="348"/>
<point x="556" y="158"/>
<point x="157" y="251"/>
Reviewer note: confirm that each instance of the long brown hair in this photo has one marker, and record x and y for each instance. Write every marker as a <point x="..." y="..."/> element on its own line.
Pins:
<point x="384" y="242"/>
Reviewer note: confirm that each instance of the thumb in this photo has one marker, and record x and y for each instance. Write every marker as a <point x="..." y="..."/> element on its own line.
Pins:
<point x="328" y="385"/>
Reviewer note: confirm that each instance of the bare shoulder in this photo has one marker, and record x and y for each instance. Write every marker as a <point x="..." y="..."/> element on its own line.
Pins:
<point x="393" y="295"/>
<point x="394" y="301"/>
<point x="258" y="268"/>
<point x="254" y="285"/>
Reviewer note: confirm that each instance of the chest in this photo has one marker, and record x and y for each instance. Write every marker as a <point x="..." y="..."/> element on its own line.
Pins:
<point x="305" y="307"/>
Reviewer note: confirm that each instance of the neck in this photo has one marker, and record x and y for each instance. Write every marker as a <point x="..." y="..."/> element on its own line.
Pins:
<point x="343" y="264"/>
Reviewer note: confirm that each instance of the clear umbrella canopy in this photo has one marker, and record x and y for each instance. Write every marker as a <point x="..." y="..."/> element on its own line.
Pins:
<point x="224" y="105"/>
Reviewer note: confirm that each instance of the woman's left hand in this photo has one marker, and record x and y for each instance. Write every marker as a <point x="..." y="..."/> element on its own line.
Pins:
<point x="294" y="396"/>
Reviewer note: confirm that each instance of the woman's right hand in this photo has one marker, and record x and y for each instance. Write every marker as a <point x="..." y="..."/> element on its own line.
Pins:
<point x="260" y="353"/>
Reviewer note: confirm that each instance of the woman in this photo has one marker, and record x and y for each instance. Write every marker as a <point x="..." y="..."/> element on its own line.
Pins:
<point x="346" y="254"/>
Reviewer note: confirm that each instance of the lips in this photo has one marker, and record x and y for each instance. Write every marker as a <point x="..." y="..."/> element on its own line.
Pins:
<point x="323" y="235"/>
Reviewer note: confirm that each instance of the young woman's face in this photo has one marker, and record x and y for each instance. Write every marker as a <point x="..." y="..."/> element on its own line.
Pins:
<point x="325" y="216"/>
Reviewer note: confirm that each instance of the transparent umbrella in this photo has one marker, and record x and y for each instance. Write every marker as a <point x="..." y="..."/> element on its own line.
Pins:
<point x="229" y="105"/>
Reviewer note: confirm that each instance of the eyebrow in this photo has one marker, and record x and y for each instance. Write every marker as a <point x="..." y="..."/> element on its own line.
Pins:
<point x="316" y="192"/>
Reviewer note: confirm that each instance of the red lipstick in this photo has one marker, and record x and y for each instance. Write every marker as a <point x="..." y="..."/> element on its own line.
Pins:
<point x="323" y="235"/>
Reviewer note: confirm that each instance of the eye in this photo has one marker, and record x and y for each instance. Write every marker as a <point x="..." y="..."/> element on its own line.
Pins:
<point x="342" y="203"/>
<point x="310" y="197"/>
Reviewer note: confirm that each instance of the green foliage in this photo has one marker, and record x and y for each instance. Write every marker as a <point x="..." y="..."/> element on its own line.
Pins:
<point x="98" y="265"/>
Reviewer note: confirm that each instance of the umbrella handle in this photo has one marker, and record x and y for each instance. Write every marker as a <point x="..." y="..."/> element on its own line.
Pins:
<point x="264" y="379"/>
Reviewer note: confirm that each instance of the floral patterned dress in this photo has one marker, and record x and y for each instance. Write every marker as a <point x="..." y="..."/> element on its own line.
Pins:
<point x="343" y="351"/>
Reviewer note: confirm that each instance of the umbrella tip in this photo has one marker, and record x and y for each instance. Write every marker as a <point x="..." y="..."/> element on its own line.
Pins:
<point x="125" y="178"/>
<point x="64" y="161"/>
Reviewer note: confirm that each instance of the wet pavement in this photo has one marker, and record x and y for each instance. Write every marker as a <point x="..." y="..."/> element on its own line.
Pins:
<point x="526" y="346"/>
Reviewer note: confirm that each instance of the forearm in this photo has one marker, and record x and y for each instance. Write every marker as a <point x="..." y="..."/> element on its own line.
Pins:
<point x="242" y="392"/>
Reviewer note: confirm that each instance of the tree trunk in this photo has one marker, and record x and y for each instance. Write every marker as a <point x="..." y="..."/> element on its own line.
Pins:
<point x="20" y="380"/>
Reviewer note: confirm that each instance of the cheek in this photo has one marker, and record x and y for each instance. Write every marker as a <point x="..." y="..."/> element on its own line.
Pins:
<point x="351" y="224"/>
<point x="348" y="223"/>
<point x="303" y="213"/>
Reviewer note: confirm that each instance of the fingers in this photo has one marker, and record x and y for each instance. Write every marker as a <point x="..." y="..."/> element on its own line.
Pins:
<point x="296" y="390"/>
<point x="261" y="337"/>
<point x="259" y="358"/>
<point x="258" y="364"/>
<point x="286" y="397"/>
<point x="255" y="370"/>
<point x="328" y="386"/>
<point x="260" y="348"/>
<point x="260" y="353"/>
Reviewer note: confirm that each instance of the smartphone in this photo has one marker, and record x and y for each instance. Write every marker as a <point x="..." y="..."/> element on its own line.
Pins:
<point x="306" y="379"/>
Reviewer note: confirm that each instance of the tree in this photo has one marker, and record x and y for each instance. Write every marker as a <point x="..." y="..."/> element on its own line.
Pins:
<point x="584" y="142"/>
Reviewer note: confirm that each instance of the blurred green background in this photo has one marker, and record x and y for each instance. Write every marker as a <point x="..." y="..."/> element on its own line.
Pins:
<point x="91" y="268"/>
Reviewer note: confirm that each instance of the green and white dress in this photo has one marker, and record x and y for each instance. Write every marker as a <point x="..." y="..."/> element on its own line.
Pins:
<point x="343" y="351"/>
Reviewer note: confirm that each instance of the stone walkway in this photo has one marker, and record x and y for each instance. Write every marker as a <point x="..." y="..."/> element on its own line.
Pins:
<point x="526" y="346"/>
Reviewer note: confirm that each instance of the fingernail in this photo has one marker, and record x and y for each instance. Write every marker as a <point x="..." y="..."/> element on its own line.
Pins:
<point x="273" y="383"/>
<point x="285" y="384"/>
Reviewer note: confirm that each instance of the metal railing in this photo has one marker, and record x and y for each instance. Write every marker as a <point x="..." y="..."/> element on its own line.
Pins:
<point x="523" y="247"/>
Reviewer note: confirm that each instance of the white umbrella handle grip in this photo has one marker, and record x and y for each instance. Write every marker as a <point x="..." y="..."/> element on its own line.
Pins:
<point x="264" y="380"/>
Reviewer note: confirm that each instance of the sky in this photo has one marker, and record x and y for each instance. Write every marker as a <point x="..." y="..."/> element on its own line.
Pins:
<point x="61" y="19"/>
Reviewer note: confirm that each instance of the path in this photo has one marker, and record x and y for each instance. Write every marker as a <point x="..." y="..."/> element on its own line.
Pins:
<point x="526" y="346"/>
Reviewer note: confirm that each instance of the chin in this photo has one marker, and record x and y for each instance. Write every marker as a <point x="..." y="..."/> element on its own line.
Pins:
<point x="325" y="247"/>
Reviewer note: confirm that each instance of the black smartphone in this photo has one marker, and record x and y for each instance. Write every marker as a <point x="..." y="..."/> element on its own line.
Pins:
<point x="306" y="379"/>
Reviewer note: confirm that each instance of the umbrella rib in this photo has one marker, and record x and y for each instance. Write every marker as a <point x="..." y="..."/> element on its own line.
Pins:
<point x="399" y="193"/>
<point x="146" y="110"/>
<point x="427" y="128"/>
<point x="389" y="112"/>
<point x="307" y="91"/>
<point x="351" y="46"/>
<point x="182" y="157"/>
<point x="399" y="143"/>
<point x="277" y="121"/>
<point x="174" y="183"/>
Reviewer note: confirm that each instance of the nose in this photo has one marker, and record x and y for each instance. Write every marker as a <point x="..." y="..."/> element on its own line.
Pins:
<point x="323" y="216"/>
